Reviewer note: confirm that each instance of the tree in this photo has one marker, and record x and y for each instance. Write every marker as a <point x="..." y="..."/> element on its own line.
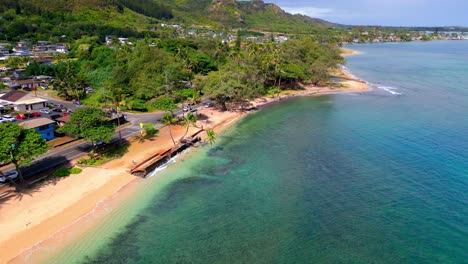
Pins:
<point x="169" y="120"/>
<point x="20" y="146"/>
<point x="210" y="137"/>
<point x="91" y="124"/>
<point x="189" y="120"/>
<point x="68" y="82"/>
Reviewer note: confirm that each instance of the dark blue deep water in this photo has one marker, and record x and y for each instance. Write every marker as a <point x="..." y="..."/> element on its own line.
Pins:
<point x="379" y="177"/>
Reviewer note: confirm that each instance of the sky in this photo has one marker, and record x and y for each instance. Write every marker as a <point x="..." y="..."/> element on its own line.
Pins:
<point x="382" y="12"/>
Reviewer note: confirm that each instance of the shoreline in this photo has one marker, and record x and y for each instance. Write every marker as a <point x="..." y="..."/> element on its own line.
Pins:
<point x="33" y="219"/>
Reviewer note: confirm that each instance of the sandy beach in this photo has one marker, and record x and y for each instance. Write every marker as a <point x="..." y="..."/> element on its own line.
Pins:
<point x="348" y="52"/>
<point x="29" y="218"/>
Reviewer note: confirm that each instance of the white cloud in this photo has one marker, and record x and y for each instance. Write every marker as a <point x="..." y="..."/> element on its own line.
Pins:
<point x="310" y="11"/>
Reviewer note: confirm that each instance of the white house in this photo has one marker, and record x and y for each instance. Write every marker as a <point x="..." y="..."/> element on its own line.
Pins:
<point x="22" y="101"/>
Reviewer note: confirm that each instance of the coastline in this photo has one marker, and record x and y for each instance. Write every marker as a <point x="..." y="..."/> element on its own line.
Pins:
<point x="29" y="220"/>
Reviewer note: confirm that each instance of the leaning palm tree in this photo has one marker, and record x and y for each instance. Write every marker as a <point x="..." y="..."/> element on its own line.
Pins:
<point x="210" y="137"/>
<point x="189" y="120"/>
<point x="169" y="120"/>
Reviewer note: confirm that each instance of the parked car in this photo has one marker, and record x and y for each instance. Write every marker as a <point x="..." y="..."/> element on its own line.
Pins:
<point x="8" y="175"/>
<point x="35" y="114"/>
<point x="45" y="111"/>
<point x="185" y="108"/>
<point x="208" y="104"/>
<point x="21" y="117"/>
<point x="8" y="118"/>
<point x="54" y="117"/>
<point x="76" y="102"/>
<point x="3" y="120"/>
<point x="57" y="110"/>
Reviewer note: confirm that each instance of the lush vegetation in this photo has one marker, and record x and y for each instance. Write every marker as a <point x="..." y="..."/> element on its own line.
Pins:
<point x="160" y="70"/>
<point x="64" y="172"/>
<point x="91" y="124"/>
<point x="61" y="20"/>
<point x="171" y="71"/>
<point x="20" y="146"/>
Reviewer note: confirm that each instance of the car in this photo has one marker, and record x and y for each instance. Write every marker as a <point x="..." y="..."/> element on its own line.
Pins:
<point x="185" y="108"/>
<point x="54" y="117"/>
<point x="3" y="120"/>
<point x="45" y="111"/>
<point x="8" y="118"/>
<point x="21" y="117"/>
<point x="208" y="104"/>
<point x="8" y="175"/>
<point x="35" y="114"/>
<point x="76" y="102"/>
<point x="58" y="110"/>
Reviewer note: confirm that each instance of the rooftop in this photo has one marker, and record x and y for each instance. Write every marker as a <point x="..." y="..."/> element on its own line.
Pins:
<point x="36" y="122"/>
<point x="12" y="96"/>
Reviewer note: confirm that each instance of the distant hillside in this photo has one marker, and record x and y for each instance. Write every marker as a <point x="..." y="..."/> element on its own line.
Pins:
<point x="254" y="14"/>
<point x="42" y="19"/>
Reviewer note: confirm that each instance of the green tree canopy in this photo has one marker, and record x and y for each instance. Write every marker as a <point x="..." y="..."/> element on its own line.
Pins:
<point x="91" y="124"/>
<point x="20" y="146"/>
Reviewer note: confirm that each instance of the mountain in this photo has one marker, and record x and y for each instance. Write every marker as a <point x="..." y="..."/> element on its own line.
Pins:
<point x="254" y="14"/>
<point x="43" y="19"/>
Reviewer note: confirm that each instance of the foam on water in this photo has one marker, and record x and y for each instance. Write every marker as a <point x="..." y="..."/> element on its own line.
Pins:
<point x="390" y="89"/>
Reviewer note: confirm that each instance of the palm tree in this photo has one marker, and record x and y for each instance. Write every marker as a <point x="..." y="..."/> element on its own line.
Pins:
<point x="169" y="120"/>
<point x="210" y="137"/>
<point x="189" y="120"/>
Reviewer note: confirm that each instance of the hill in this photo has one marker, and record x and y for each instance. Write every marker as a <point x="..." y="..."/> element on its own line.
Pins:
<point x="44" y="19"/>
<point x="254" y="14"/>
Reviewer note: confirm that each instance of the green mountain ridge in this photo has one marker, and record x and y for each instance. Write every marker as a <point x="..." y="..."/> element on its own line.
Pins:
<point x="137" y="18"/>
<point x="254" y="14"/>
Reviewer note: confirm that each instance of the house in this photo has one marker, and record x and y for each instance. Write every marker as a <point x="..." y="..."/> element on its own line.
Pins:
<point x="43" y="126"/>
<point x="22" y="101"/>
<point x="61" y="48"/>
<point x="4" y="49"/>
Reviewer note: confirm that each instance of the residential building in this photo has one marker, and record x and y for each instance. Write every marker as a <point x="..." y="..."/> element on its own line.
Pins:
<point x="21" y="101"/>
<point x="4" y="49"/>
<point x="43" y="126"/>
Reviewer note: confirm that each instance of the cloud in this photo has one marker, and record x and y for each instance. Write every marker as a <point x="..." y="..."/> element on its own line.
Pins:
<point x="310" y="11"/>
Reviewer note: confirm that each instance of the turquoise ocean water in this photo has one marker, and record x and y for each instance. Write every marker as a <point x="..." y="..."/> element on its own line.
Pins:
<point x="380" y="177"/>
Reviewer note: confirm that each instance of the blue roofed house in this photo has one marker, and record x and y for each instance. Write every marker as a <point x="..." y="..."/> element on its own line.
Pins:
<point x="43" y="126"/>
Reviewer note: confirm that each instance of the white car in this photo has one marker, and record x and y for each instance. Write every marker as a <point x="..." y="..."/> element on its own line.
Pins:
<point x="45" y="111"/>
<point x="8" y="175"/>
<point x="2" y="120"/>
<point x="8" y="118"/>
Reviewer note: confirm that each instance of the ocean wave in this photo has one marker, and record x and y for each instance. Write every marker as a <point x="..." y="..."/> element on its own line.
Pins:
<point x="165" y="165"/>
<point x="389" y="89"/>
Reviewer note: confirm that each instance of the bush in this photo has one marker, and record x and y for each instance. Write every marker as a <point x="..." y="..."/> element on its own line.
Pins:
<point x="150" y="129"/>
<point x="84" y="161"/>
<point x="163" y="103"/>
<point x="138" y="105"/>
<point x="75" y="171"/>
<point x="64" y="172"/>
